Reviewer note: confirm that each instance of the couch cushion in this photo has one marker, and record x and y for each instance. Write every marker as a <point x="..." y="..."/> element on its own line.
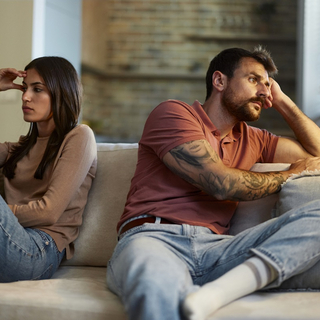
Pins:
<point x="252" y="213"/>
<point x="98" y="237"/>
<point x="272" y="306"/>
<point x="116" y="166"/>
<point x="298" y="190"/>
<point x="74" y="293"/>
<point x="80" y="293"/>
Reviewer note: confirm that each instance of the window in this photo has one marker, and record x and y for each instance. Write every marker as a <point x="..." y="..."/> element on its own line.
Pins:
<point x="308" y="82"/>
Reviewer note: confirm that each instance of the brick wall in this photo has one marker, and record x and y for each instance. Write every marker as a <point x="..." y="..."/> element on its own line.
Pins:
<point x="137" y="53"/>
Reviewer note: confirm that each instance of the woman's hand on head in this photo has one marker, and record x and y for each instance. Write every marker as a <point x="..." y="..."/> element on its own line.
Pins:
<point x="7" y="77"/>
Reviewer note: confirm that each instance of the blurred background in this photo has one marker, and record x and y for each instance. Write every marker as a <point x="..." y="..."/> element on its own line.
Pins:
<point x="133" y="54"/>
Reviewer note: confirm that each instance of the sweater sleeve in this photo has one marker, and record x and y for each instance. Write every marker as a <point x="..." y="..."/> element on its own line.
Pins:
<point x="75" y="161"/>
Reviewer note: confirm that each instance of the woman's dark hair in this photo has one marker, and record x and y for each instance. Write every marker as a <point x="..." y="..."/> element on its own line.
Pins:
<point x="227" y="61"/>
<point x="65" y="89"/>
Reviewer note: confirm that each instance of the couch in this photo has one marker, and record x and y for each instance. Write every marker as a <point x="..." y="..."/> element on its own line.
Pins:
<point x="78" y="289"/>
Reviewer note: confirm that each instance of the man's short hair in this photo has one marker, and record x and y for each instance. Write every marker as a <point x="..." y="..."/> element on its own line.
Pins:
<point x="227" y="61"/>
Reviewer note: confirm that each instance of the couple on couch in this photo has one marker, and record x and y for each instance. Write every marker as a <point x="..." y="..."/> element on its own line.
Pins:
<point x="174" y="258"/>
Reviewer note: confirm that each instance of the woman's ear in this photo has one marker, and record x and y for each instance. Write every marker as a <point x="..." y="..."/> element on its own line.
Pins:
<point x="219" y="80"/>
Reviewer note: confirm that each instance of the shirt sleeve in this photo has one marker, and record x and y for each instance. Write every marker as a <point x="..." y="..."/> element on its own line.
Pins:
<point x="76" y="159"/>
<point x="170" y="124"/>
<point x="265" y="143"/>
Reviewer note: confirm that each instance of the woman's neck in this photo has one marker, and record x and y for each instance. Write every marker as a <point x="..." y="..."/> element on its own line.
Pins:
<point x="45" y="128"/>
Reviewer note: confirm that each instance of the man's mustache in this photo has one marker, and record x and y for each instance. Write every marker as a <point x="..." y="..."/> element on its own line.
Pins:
<point x="258" y="99"/>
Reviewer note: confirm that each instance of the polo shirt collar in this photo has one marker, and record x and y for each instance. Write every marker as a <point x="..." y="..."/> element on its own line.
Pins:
<point x="234" y="135"/>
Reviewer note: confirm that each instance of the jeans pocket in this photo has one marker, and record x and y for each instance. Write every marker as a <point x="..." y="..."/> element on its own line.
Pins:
<point x="43" y="241"/>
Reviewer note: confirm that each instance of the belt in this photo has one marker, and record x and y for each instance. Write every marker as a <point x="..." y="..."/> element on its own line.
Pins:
<point x="141" y="221"/>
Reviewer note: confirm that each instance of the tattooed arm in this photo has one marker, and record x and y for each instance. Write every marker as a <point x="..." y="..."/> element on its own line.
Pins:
<point x="197" y="163"/>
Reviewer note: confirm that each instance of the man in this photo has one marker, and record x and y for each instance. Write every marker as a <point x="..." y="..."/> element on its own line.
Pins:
<point x="175" y="258"/>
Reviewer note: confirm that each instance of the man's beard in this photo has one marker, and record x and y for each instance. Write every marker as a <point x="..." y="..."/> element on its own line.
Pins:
<point x="241" y="109"/>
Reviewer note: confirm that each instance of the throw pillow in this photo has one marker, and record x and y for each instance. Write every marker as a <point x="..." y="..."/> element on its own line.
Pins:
<point x="298" y="190"/>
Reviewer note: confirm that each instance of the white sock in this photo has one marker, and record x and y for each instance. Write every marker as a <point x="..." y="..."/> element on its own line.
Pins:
<point x="246" y="278"/>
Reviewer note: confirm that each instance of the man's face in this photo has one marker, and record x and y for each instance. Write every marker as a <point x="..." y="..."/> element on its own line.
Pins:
<point x="245" y="94"/>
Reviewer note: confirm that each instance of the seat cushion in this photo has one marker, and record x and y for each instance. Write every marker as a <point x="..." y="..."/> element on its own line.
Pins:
<point x="77" y="293"/>
<point x="272" y="306"/>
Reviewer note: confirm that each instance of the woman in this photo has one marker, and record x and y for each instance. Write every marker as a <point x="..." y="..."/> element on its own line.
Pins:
<point x="48" y="172"/>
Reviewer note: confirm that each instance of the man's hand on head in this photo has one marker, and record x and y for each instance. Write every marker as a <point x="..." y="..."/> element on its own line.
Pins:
<point x="277" y="96"/>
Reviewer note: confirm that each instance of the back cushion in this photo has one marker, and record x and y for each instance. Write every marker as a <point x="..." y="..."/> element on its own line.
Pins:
<point x="299" y="190"/>
<point x="251" y="213"/>
<point x="107" y="197"/>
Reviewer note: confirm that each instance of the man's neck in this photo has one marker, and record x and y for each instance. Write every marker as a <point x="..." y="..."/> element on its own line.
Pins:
<point x="221" y="119"/>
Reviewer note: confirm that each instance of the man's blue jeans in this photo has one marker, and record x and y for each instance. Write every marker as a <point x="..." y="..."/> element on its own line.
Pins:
<point x="155" y="265"/>
<point x="25" y="253"/>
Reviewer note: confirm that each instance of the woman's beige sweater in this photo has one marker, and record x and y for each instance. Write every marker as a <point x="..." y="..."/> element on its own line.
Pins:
<point x="56" y="203"/>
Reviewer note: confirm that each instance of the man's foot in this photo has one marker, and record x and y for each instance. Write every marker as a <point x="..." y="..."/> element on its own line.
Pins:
<point x="246" y="278"/>
<point x="199" y="305"/>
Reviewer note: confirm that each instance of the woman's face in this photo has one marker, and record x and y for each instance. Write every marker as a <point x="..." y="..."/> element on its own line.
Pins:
<point x="36" y="102"/>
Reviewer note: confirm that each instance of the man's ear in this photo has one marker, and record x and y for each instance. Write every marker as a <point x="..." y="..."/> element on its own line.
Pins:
<point x="219" y="80"/>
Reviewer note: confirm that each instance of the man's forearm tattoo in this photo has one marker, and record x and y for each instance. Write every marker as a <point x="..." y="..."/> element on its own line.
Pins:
<point x="190" y="158"/>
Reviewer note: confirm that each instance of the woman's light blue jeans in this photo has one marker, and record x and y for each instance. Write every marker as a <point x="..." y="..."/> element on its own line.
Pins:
<point x="155" y="265"/>
<point x="25" y="253"/>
